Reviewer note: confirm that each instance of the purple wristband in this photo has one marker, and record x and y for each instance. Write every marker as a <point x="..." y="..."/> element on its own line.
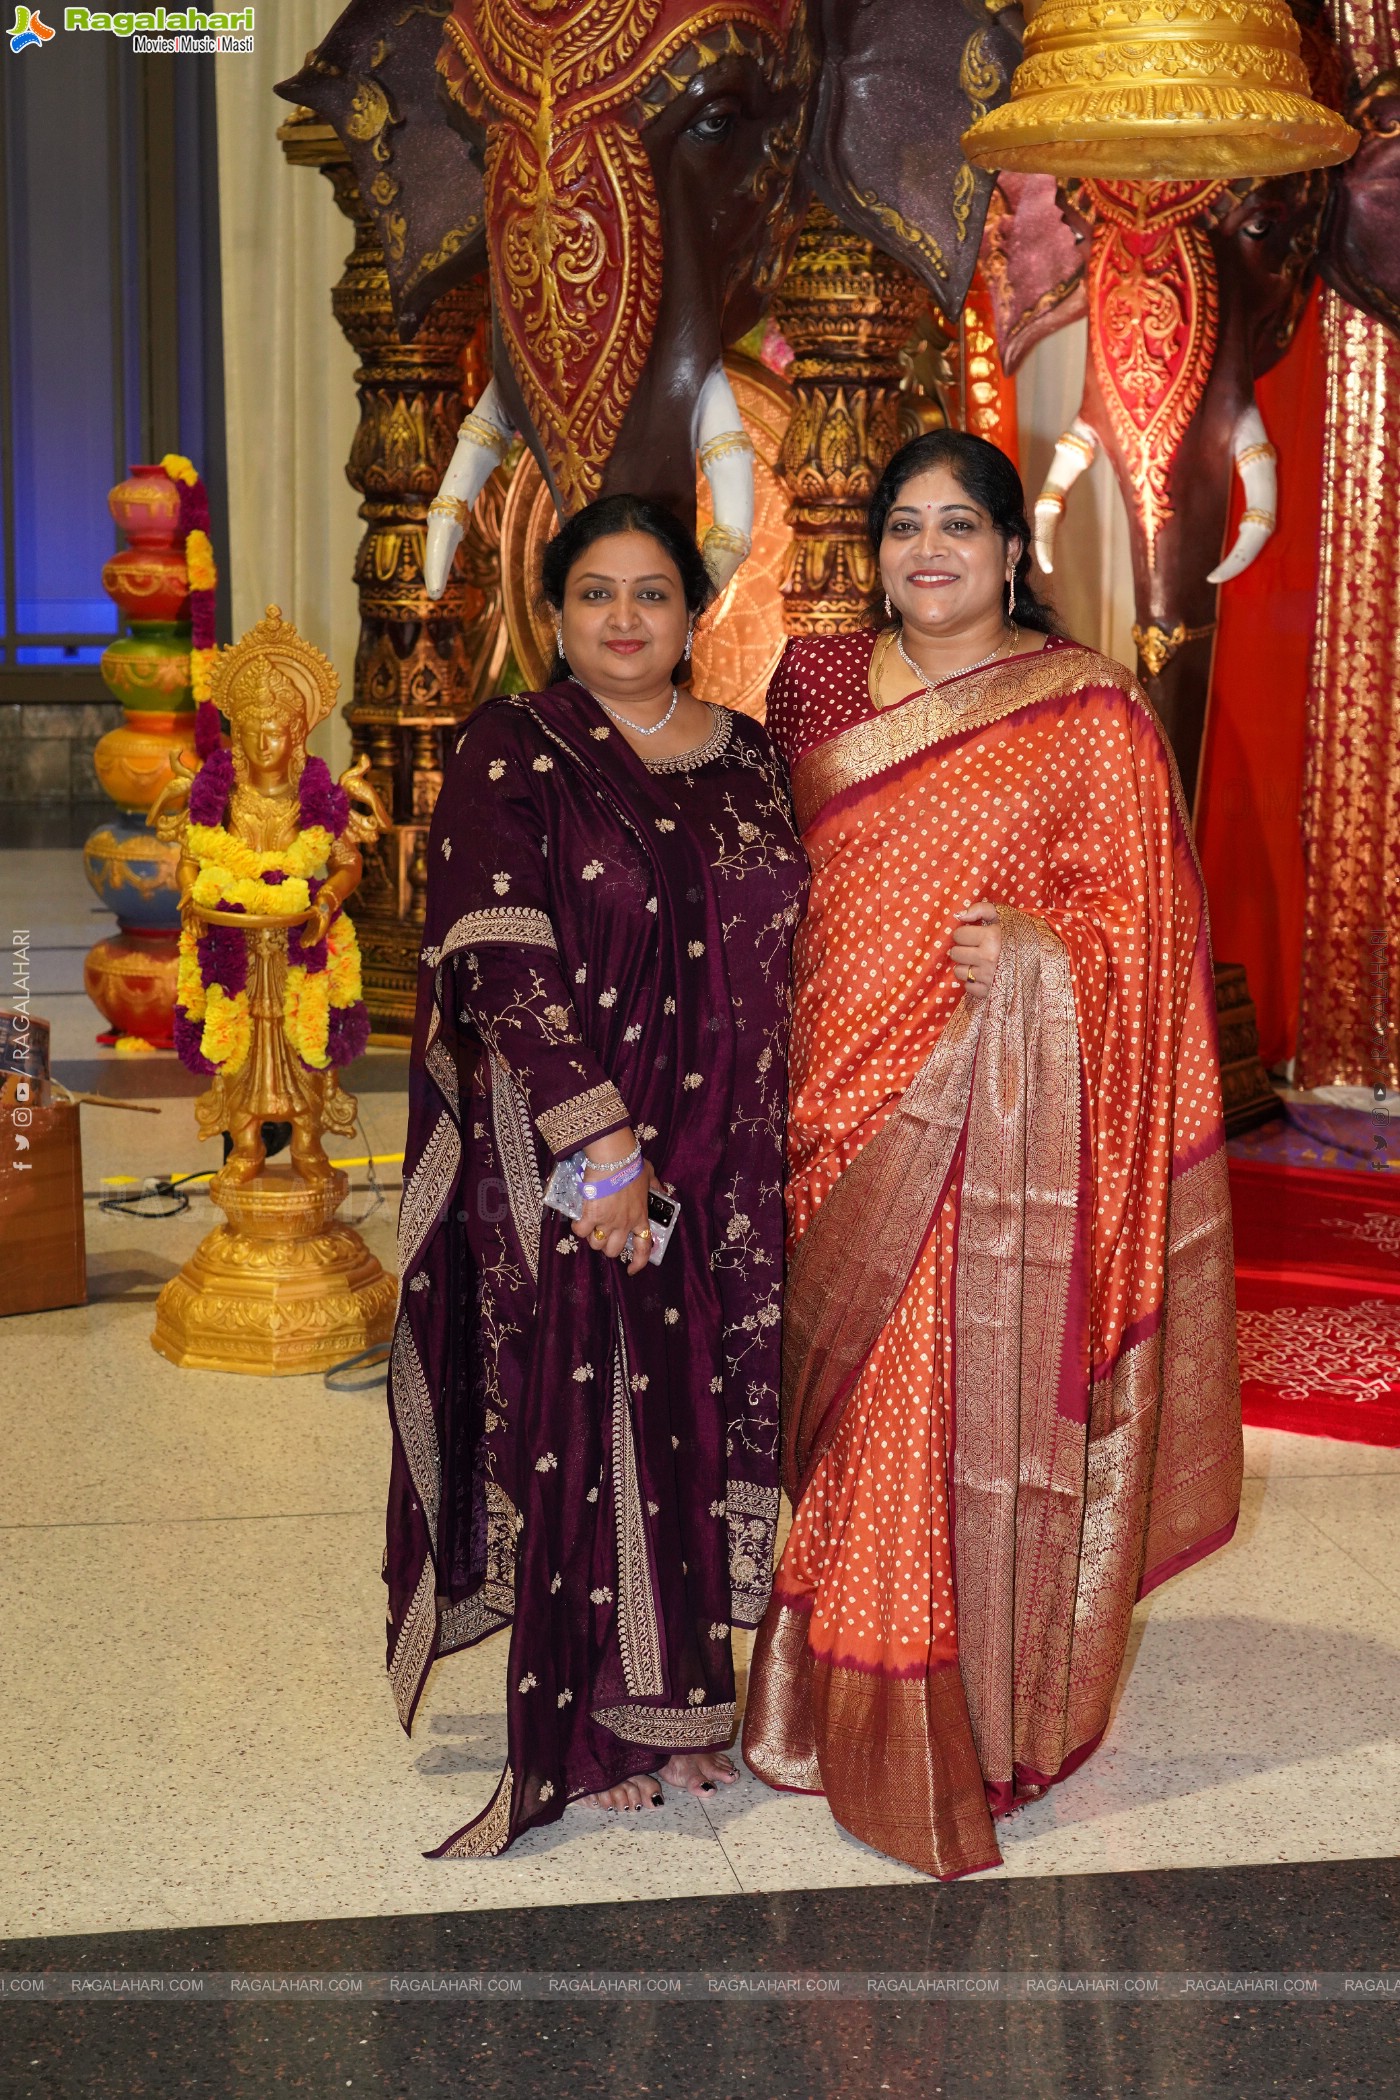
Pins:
<point x="612" y="1184"/>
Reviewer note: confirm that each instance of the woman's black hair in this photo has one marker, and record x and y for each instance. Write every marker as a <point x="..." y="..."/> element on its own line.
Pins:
<point x="601" y="520"/>
<point x="983" y="472"/>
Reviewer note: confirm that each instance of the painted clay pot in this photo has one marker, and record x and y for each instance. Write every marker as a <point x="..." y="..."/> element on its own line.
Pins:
<point x="133" y="762"/>
<point x="133" y="873"/>
<point x="148" y="583"/>
<point x="146" y="507"/>
<point x="148" y="670"/>
<point x="130" y="978"/>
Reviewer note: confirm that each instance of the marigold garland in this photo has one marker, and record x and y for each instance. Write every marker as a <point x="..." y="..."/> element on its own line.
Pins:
<point x="199" y="563"/>
<point x="323" y="1010"/>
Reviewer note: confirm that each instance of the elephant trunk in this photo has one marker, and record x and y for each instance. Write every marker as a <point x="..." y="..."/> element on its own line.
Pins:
<point x="1256" y="463"/>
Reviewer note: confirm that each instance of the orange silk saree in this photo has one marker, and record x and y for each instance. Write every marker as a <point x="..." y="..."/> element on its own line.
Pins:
<point x="1010" y="1388"/>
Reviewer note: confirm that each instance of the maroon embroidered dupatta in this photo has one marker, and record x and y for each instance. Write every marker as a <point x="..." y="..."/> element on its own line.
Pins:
<point x="572" y="979"/>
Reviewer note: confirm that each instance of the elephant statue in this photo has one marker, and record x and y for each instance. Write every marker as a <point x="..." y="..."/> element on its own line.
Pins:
<point x="1193" y="291"/>
<point x="635" y="173"/>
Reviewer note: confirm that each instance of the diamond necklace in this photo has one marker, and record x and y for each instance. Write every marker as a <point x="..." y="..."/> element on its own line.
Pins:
<point x="930" y="684"/>
<point x="626" y="722"/>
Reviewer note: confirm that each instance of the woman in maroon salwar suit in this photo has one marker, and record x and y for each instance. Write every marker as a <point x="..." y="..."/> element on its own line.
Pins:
<point x="585" y="1446"/>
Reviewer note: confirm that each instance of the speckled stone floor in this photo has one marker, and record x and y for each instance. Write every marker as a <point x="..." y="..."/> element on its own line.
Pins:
<point x="200" y="1755"/>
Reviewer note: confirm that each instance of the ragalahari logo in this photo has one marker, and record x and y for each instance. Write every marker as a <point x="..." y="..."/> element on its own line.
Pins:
<point x="28" y="29"/>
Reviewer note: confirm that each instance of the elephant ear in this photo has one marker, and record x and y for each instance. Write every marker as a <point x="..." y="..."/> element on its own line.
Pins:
<point x="373" y="78"/>
<point x="1361" y="238"/>
<point x="901" y="81"/>
<point x="1033" y="264"/>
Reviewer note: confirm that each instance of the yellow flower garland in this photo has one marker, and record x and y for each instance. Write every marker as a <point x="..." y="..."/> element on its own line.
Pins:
<point x="228" y="1029"/>
<point x="211" y="844"/>
<point x="343" y="962"/>
<point x="179" y="468"/>
<point x="231" y="872"/>
<point x="202" y="672"/>
<point x="199" y="560"/>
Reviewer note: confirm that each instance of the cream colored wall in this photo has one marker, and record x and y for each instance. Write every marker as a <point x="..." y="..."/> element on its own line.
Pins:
<point x="288" y="370"/>
<point x="1092" y="587"/>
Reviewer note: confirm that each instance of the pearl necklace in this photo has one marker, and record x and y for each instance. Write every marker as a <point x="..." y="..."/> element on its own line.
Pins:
<point x="931" y="684"/>
<point x="626" y="722"/>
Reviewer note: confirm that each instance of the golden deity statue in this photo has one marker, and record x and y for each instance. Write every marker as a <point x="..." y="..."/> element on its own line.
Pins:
<point x="269" y="1006"/>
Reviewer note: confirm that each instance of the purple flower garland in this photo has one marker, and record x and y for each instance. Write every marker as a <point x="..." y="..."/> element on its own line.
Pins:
<point x="194" y="517"/>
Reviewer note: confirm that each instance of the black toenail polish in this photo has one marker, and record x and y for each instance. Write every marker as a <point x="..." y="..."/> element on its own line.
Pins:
<point x="707" y="1786"/>
<point x="657" y="1799"/>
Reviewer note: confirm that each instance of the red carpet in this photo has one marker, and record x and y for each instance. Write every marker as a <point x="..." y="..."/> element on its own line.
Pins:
<point x="1317" y="1269"/>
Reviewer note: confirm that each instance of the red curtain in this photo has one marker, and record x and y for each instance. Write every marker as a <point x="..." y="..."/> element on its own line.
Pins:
<point x="1249" y="804"/>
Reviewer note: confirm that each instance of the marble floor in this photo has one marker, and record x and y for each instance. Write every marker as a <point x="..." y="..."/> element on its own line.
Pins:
<point x="195" y="1728"/>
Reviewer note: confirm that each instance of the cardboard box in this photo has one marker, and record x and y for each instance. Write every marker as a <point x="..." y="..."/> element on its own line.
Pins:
<point x="43" y="1257"/>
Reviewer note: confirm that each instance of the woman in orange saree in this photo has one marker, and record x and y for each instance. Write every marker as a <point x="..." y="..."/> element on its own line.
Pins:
<point x="1010" y="1388"/>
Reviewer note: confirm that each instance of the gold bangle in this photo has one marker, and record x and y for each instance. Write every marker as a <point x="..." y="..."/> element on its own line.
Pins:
<point x="1050" y="499"/>
<point x="451" y="507"/>
<point x="482" y="432"/>
<point x="1252" y="452"/>
<point x="723" y="443"/>
<point x="1260" y="517"/>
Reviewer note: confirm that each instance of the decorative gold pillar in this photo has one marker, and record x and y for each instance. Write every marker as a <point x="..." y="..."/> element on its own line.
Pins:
<point x="421" y="667"/>
<point x="849" y="313"/>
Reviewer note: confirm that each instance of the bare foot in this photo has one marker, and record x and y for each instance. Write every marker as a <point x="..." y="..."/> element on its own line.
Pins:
<point x="699" y="1771"/>
<point x="641" y="1792"/>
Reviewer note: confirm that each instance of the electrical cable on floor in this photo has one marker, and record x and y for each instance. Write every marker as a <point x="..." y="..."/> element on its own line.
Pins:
<point x="375" y="1360"/>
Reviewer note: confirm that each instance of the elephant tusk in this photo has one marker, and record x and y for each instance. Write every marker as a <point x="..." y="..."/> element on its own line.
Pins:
<point x="1076" y="450"/>
<point x="725" y="451"/>
<point x="1256" y="463"/>
<point x="482" y="443"/>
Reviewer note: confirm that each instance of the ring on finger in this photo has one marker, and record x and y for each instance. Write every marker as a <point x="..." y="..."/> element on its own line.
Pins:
<point x="599" y="1234"/>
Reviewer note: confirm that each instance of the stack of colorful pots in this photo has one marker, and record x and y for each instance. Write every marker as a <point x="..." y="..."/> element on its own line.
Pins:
<point x="158" y="581"/>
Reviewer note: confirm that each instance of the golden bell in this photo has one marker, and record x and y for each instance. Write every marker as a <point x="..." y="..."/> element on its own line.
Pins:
<point x="1158" y="90"/>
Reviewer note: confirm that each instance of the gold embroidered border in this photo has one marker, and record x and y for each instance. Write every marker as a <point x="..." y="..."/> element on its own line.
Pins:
<point x="490" y="1833"/>
<point x="442" y="1070"/>
<point x="752" y="1516"/>
<point x="668" y="1727"/>
<point x="1199" y="1456"/>
<point x="581" y="1117"/>
<point x="515" y="1143"/>
<point x="517" y="925"/>
<point x="716" y="742"/>
<point x="1018" y="1464"/>
<point x="900" y="1766"/>
<point x="898" y="733"/>
<point x="638" y="1635"/>
<point x="493" y="1604"/>
<point x="414" y="1645"/>
<point x="780" y="1742"/>
<point x="463" y="1625"/>
<point x="426" y="1190"/>
<point x="413" y="1418"/>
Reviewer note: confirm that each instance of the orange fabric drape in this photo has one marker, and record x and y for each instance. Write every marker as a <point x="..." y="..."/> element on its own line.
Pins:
<point x="1249" y="805"/>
